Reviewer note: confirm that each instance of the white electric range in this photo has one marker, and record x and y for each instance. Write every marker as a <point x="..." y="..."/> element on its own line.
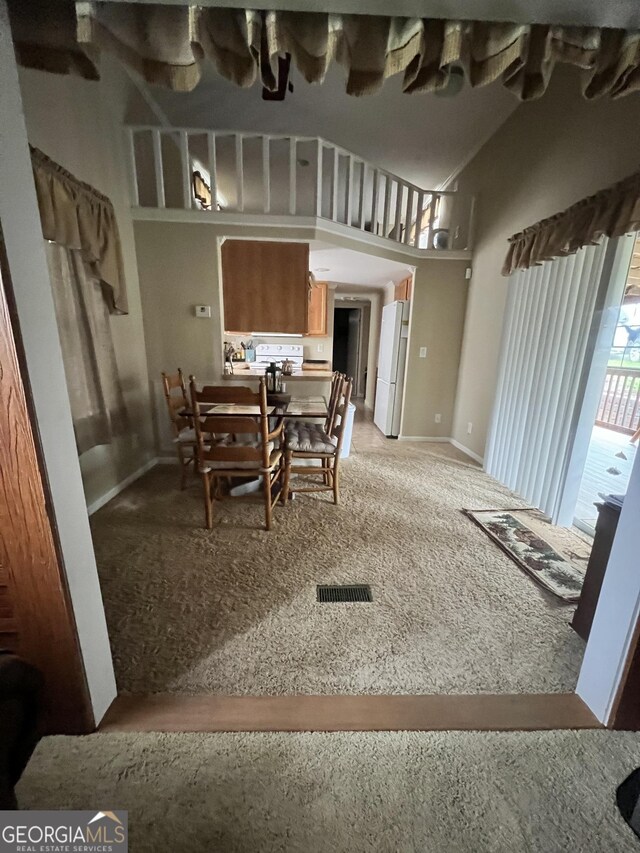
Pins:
<point x="266" y="353"/>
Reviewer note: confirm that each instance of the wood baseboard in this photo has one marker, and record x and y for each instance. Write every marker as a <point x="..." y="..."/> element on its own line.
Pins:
<point x="480" y="712"/>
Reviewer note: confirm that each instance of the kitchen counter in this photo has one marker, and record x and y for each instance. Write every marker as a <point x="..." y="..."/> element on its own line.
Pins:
<point x="243" y="372"/>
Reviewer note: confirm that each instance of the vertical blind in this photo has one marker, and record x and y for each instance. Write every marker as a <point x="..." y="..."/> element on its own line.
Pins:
<point x="549" y="326"/>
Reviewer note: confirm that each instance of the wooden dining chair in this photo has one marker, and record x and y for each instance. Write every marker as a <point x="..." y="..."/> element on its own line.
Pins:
<point x="337" y="381"/>
<point x="184" y="436"/>
<point x="336" y="387"/>
<point x="311" y="441"/>
<point x="245" y="446"/>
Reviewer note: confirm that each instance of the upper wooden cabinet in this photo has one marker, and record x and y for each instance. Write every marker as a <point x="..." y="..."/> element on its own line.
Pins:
<point x="265" y="286"/>
<point x="403" y="288"/>
<point x="317" y="314"/>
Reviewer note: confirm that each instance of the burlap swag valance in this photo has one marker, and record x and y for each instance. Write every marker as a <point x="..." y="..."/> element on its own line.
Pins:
<point x="77" y="216"/>
<point x="166" y="44"/>
<point x="611" y="213"/>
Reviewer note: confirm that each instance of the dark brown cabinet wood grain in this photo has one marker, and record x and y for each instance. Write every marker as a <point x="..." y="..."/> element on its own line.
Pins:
<point x="265" y="286"/>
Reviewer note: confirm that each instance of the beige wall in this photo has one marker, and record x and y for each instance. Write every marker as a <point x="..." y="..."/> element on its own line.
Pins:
<point x="437" y="318"/>
<point x="549" y="154"/>
<point x="78" y="124"/>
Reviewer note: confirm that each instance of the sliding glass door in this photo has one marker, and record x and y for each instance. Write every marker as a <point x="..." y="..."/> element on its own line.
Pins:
<point x="548" y="384"/>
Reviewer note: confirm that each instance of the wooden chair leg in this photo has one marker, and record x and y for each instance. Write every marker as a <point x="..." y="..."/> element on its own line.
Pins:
<point x="336" y="483"/>
<point x="266" y="488"/>
<point x="183" y="466"/>
<point x="208" y="503"/>
<point x="287" y="477"/>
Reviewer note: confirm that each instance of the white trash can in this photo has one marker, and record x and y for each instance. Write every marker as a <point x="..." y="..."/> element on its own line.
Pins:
<point x="348" y="430"/>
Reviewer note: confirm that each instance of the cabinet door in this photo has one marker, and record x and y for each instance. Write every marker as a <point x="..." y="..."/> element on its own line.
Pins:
<point x="403" y="289"/>
<point x="265" y="286"/>
<point x="317" y="315"/>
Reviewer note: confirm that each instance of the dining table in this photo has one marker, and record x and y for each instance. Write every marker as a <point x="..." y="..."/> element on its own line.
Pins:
<point x="303" y="407"/>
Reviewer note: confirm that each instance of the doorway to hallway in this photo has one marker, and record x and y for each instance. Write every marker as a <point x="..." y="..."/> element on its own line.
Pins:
<point x="348" y="346"/>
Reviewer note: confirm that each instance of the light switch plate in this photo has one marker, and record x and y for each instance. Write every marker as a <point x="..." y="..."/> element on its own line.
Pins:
<point x="203" y="310"/>
<point x="423" y="352"/>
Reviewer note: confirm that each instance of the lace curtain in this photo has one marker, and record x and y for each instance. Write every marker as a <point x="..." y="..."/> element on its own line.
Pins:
<point x="95" y="392"/>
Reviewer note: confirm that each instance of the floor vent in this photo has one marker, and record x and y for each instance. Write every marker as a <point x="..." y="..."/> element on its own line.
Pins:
<point x="336" y="594"/>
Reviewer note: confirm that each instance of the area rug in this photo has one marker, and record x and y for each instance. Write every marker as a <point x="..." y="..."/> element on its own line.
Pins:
<point x="531" y="552"/>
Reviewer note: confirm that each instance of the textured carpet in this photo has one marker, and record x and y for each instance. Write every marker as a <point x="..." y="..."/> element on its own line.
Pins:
<point x="433" y="792"/>
<point x="233" y="610"/>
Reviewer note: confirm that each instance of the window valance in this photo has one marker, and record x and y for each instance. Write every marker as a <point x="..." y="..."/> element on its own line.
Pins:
<point x="77" y="216"/>
<point x="167" y="44"/>
<point x="611" y="213"/>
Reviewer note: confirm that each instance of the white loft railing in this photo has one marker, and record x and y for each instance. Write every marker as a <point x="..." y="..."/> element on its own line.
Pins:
<point x="282" y="175"/>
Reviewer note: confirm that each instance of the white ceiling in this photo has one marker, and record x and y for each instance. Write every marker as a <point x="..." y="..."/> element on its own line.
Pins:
<point x="329" y="263"/>
<point x="422" y="138"/>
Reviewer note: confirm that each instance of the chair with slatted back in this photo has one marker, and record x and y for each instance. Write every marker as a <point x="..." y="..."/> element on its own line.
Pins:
<point x="310" y="442"/>
<point x="336" y="386"/>
<point x="184" y="437"/>
<point x="337" y="381"/>
<point x="249" y="447"/>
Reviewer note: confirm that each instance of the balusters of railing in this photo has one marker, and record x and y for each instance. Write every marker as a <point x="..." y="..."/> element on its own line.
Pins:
<point x="239" y="173"/>
<point x="213" y="170"/>
<point x="432" y="216"/>
<point x="407" y="215"/>
<point x="187" y="194"/>
<point x="158" y="167"/>
<point x="374" y="201"/>
<point x="419" y="212"/>
<point x="349" y="191"/>
<point x="133" y="169"/>
<point x="398" y="216"/>
<point x="363" y="179"/>
<point x="266" y="175"/>
<point x="334" y="189"/>
<point x="395" y="210"/>
<point x="319" y="152"/>
<point x="387" y="205"/>
<point x="293" y="149"/>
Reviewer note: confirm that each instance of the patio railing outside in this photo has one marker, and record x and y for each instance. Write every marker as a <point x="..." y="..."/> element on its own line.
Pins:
<point x="619" y="407"/>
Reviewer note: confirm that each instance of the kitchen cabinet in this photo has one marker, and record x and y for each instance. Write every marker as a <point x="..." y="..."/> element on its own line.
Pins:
<point x="317" y="309"/>
<point x="403" y="288"/>
<point x="265" y="286"/>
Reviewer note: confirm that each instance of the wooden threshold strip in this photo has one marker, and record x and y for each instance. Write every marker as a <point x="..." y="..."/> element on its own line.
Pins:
<point x="478" y="712"/>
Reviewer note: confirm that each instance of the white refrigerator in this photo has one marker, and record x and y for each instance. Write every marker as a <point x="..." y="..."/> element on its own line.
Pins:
<point x="392" y="357"/>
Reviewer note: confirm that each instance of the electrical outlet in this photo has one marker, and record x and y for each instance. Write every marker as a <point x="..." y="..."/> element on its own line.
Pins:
<point x="438" y="419"/>
<point x="469" y="428"/>
<point x="423" y="352"/>
<point x="320" y="347"/>
<point x="203" y="310"/>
